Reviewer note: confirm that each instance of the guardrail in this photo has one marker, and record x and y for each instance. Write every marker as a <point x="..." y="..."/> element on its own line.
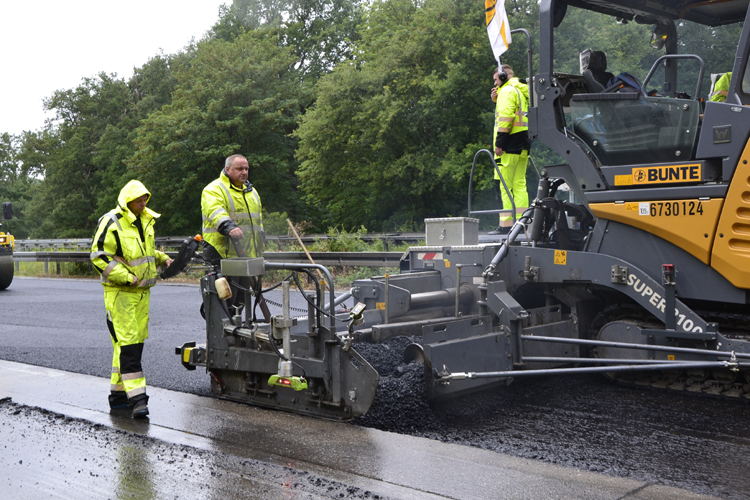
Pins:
<point x="84" y="244"/>
<point x="359" y="259"/>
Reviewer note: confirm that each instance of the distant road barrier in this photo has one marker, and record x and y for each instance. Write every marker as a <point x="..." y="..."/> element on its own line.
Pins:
<point x="77" y="250"/>
<point x="84" y="244"/>
<point x="358" y="259"/>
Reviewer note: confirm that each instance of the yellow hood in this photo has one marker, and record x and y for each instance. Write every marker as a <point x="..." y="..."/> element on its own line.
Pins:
<point x="133" y="190"/>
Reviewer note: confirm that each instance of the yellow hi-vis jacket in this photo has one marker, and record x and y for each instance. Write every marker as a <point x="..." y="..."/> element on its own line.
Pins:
<point x="225" y="207"/>
<point x="121" y="250"/>
<point x="511" y="117"/>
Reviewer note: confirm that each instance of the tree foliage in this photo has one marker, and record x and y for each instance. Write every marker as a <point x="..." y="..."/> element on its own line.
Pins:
<point x="319" y="32"/>
<point x="383" y="144"/>
<point x="81" y="153"/>
<point x="16" y="182"/>
<point x="232" y="97"/>
<point x="352" y="113"/>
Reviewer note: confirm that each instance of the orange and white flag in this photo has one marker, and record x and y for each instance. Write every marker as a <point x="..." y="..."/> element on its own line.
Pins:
<point x="498" y="27"/>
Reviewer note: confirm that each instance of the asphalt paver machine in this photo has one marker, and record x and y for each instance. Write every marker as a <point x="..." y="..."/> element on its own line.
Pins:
<point x="643" y="277"/>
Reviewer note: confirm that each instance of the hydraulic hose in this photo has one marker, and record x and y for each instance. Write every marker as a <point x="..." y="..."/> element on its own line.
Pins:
<point x="323" y="269"/>
<point x="537" y="224"/>
<point x="514" y="232"/>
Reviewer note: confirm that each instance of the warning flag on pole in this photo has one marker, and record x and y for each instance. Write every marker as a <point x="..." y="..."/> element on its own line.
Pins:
<point x="498" y="28"/>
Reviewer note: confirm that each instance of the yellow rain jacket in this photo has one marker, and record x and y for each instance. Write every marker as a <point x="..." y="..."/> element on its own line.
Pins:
<point x="225" y="207"/>
<point x="121" y="250"/>
<point x="511" y="117"/>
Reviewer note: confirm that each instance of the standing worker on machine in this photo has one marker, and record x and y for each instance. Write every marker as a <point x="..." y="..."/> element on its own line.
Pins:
<point x="232" y="220"/>
<point x="511" y="142"/>
<point x="721" y="88"/>
<point x="124" y="253"/>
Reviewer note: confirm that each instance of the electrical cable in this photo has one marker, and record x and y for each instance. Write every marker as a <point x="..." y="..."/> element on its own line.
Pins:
<point x="299" y="287"/>
<point x="276" y="285"/>
<point x="311" y="276"/>
<point x="320" y="310"/>
<point x="284" y="358"/>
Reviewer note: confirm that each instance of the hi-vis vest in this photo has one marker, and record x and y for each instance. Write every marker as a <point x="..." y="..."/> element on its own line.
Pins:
<point x="512" y="109"/>
<point x="118" y="252"/>
<point x="221" y="201"/>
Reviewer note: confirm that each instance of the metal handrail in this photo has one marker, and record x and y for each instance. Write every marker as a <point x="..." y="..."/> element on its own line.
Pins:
<point x="678" y="56"/>
<point x="507" y="191"/>
<point x="529" y="60"/>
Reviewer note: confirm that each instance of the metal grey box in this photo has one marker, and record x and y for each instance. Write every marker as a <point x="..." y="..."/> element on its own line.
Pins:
<point x="451" y="231"/>
<point x="243" y="266"/>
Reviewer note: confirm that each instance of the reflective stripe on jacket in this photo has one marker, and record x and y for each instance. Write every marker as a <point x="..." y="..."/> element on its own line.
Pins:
<point x="221" y="202"/>
<point x="511" y="110"/>
<point x="721" y="85"/>
<point x="118" y="252"/>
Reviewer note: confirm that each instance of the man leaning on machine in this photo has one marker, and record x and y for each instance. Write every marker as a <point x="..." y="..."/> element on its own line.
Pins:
<point x="232" y="220"/>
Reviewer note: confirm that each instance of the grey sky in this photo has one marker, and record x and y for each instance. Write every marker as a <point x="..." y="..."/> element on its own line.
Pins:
<point x="52" y="44"/>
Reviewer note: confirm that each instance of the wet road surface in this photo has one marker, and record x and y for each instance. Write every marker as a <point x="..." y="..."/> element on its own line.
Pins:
<point x="63" y="441"/>
<point x="696" y="443"/>
<point x="74" y="458"/>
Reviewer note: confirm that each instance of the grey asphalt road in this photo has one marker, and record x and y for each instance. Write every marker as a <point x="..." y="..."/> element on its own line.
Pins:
<point x="60" y="323"/>
<point x="58" y="442"/>
<point x="695" y="443"/>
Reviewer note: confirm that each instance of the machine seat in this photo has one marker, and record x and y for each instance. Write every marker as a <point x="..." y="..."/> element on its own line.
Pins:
<point x="628" y="128"/>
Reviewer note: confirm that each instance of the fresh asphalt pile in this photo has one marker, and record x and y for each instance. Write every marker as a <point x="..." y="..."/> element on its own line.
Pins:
<point x="673" y="438"/>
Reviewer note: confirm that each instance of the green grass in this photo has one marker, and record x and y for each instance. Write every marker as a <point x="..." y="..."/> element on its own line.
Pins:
<point x="58" y="269"/>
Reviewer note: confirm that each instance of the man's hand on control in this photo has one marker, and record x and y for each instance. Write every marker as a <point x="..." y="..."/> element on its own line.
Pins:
<point x="134" y="281"/>
<point x="169" y="262"/>
<point x="236" y="233"/>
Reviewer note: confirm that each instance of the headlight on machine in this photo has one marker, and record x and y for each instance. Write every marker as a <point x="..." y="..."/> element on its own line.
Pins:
<point x="3" y="239"/>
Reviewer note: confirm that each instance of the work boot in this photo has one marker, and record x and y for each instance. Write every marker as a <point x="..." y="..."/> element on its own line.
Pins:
<point x="140" y="406"/>
<point x="500" y="230"/>
<point x="118" y="400"/>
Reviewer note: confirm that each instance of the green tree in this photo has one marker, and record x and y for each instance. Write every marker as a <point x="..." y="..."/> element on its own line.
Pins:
<point x="627" y="47"/>
<point x="390" y="138"/>
<point x="716" y="46"/>
<point x="320" y="32"/>
<point x="16" y="180"/>
<point x="81" y="153"/>
<point x="65" y="205"/>
<point x="233" y="97"/>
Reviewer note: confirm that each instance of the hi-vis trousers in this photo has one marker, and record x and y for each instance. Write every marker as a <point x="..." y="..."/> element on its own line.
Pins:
<point x="513" y="169"/>
<point x="127" y="319"/>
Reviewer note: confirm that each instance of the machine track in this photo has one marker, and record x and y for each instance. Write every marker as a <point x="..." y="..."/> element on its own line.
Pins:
<point x="713" y="383"/>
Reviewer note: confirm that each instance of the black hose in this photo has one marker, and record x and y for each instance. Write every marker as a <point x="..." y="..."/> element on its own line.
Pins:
<point x="277" y="285"/>
<point x="284" y="358"/>
<point x="317" y="294"/>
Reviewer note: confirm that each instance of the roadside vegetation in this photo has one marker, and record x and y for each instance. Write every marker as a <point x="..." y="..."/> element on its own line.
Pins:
<point x="339" y="240"/>
<point x="352" y="113"/>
